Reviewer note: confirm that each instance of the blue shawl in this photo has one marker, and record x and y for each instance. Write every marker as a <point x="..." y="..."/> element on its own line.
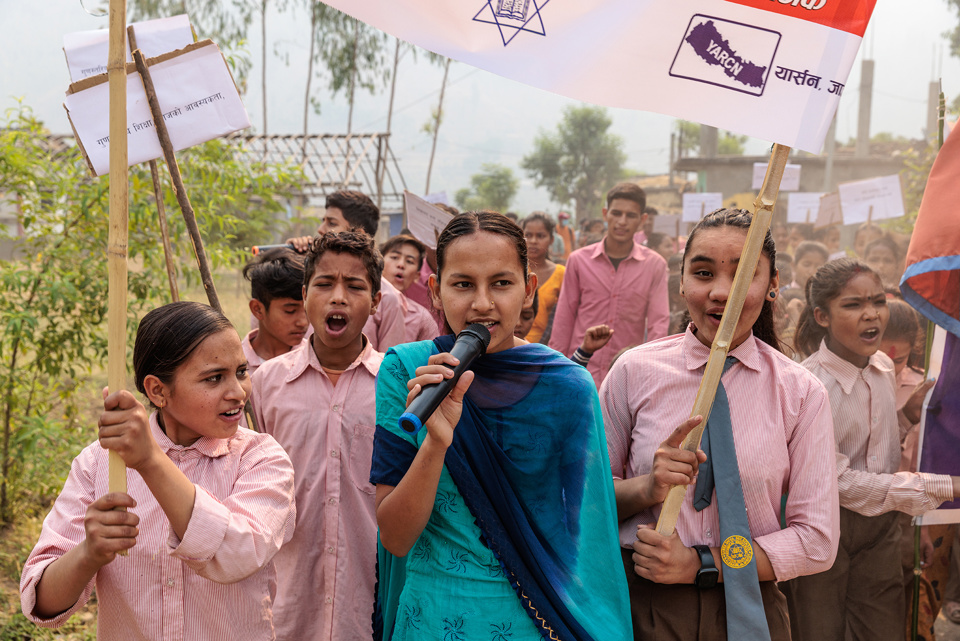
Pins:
<point x="529" y="458"/>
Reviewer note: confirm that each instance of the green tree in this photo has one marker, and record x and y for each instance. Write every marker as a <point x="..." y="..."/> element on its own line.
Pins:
<point x="52" y="334"/>
<point x="224" y="23"/>
<point x="579" y="161"/>
<point x="494" y="188"/>
<point x="728" y="144"/>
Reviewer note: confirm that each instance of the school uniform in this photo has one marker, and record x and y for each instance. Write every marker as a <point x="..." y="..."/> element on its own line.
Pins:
<point x="863" y="592"/>
<point x="385" y="327"/>
<point x="218" y="581"/>
<point x="781" y="429"/>
<point x="325" y="421"/>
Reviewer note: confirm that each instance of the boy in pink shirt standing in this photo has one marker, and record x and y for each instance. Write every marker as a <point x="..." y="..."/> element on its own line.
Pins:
<point x="276" y="301"/>
<point x="615" y="282"/>
<point x="318" y="402"/>
<point x="345" y="210"/>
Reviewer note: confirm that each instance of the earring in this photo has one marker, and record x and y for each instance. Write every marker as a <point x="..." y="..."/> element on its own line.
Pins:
<point x="773" y="295"/>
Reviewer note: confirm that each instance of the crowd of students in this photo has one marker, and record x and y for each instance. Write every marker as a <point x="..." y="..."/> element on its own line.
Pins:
<point x="525" y="507"/>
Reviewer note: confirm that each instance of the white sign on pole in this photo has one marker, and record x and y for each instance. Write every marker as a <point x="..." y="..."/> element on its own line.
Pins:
<point x="872" y="199"/>
<point x="803" y="206"/>
<point x="197" y="96"/>
<point x="829" y="213"/>
<point x="424" y="220"/>
<point x="86" y="51"/>
<point x="790" y="181"/>
<point x="696" y="206"/>
<point x="668" y="224"/>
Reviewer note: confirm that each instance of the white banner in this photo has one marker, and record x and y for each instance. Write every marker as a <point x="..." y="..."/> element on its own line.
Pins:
<point x="772" y="69"/>
<point x="86" y="51"/>
<point x="873" y="199"/>
<point x="803" y="207"/>
<point x="424" y="220"/>
<point x="197" y="97"/>
<point x="789" y="182"/>
<point x="696" y="206"/>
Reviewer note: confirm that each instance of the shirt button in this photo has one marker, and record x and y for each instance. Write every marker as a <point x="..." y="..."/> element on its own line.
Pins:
<point x="873" y="458"/>
<point x="328" y="600"/>
<point x="334" y="454"/>
<point x="333" y="501"/>
<point x="332" y="550"/>
<point x="708" y="533"/>
<point x="170" y="582"/>
<point x="336" y="408"/>
<point x="875" y="419"/>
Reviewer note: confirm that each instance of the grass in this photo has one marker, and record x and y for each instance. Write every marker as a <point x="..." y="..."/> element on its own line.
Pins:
<point x="47" y="472"/>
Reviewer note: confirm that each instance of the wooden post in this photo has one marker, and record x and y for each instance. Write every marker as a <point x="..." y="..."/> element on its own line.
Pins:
<point x="182" y="198"/>
<point x="158" y="197"/>
<point x="808" y="216"/>
<point x="763" y="212"/>
<point x="870" y="216"/>
<point x="117" y="237"/>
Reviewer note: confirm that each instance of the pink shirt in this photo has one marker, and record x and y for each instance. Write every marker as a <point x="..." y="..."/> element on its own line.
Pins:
<point x="631" y="299"/>
<point x="216" y="583"/>
<point x="420" y="325"/>
<point x="385" y="328"/>
<point x="326" y="572"/>
<point x="868" y="432"/>
<point x="253" y="359"/>
<point x="907" y="381"/>
<point x="781" y="429"/>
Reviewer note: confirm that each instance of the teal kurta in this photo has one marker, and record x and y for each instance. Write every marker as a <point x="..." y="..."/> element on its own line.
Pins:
<point x="455" y="586"/>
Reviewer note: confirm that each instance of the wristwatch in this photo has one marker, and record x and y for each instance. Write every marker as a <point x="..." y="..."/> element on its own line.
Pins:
<point x="708" y="574"/>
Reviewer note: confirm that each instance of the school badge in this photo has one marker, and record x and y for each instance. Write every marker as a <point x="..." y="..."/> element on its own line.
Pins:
<point x="513" y="16"/>
<point x="736" y="552"/>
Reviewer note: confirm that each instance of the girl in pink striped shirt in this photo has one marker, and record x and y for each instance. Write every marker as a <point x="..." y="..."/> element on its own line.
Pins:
<point x="209" y="503"/>
<point x="861" y="596"/>
<point x="780" y="424"/>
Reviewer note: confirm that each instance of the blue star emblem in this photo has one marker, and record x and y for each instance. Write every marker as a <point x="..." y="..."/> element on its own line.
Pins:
<point x="513" y="16"/>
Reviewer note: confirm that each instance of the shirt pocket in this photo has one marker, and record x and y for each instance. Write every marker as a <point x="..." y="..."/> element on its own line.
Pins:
<point x="360" y="447"/>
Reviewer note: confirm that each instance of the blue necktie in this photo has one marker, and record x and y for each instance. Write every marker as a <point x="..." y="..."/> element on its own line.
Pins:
<point x="745" y="615"/>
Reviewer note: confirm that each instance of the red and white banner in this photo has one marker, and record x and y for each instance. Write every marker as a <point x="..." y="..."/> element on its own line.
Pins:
<point x="773" y="69"/>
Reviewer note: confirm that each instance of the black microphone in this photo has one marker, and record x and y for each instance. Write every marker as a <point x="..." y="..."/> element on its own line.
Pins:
<point x="471" y="343"/>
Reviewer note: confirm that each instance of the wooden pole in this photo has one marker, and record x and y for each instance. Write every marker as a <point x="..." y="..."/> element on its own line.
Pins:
<point x="763" y="212"/>
<point x="158" y="197"/>
<point x="117" y="236"/>
<point x="182" y="198"/>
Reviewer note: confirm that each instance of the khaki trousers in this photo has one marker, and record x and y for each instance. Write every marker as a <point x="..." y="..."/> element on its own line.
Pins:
<point x="687" y="613"/>
<point x="861" y="594"/>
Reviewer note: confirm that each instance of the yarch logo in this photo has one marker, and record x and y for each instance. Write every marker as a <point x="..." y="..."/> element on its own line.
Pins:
<point x="806" y="4"/>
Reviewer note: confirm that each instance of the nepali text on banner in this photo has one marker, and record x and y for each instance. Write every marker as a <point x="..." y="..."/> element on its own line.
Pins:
<point x="754" y="71"/>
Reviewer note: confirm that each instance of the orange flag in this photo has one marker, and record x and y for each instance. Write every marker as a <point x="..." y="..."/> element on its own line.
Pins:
<point x="931" y="281"/>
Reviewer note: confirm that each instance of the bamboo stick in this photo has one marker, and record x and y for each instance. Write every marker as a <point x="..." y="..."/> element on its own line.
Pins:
<point x="158" y="197"/>
<point x="763" y="212"/>
<point x="117" y="237"/>
<point x="177" y="180"/>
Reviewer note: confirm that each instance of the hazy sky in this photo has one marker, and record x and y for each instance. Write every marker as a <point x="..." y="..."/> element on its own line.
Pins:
<point x="486" y="118"/>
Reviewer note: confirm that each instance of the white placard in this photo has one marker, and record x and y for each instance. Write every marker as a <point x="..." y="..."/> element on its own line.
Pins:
<point x="789" y="182"/>
<point x="696" y="206"/>
<point x="86" y="51"/>
<point x="872" y="199"/>
<point x="197" y="96"/>
<point x="829" y="213"/>
<point x="803" y="206"/>
<point x="424" y="220"/>
<point x="668" y="224"/>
